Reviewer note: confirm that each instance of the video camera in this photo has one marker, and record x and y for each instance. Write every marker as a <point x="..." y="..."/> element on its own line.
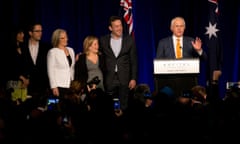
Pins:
<point x="94" y="80"/>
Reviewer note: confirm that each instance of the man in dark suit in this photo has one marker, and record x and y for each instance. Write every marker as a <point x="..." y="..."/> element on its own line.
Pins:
<point x="119" y="74"/>
<point x="35" y="56"/>
<point x="188" y="46"/>
<point x="119" y="52"/>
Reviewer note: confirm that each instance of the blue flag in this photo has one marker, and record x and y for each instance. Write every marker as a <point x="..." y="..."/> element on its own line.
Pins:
<point x="213" y="39"/>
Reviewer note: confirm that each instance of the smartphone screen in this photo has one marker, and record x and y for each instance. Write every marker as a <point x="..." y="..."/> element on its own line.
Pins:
<point x="116" y="104"/>
<point x="52" y="102"/>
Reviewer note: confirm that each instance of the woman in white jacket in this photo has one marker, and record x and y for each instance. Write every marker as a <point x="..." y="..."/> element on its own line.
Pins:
<point x="60" y="63"/>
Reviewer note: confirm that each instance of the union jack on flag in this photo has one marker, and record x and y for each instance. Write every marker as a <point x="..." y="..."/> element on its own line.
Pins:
<point x="127" y="14"/>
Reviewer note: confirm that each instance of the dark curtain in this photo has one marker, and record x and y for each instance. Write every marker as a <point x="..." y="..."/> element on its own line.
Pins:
<point x="151" y="23"/>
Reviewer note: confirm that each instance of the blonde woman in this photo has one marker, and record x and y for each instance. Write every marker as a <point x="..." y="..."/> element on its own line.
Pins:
<point x="89" y="64"/>
<point x="60" y="63"/>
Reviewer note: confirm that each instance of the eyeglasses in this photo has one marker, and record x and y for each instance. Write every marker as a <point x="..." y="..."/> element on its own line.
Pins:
<point x="37" y="31"/>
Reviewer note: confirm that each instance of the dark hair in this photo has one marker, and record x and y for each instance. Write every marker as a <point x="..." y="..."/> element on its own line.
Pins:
<point x="32" y="25"/>
<point x="12" y="36"/>
<point x="114" y="18"/>
<point x="18" y="30"/>
<point x="142" y="92"/>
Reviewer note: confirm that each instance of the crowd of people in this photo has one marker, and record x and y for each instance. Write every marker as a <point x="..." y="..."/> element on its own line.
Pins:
<point x="53" y="94"/>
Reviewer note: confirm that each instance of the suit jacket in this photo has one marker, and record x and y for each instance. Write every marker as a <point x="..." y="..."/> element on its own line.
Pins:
<point x="37" y="72"/>
<point x="126" y="60"/>
<point x="59" y="72"/>
<point x="165" y="49"/>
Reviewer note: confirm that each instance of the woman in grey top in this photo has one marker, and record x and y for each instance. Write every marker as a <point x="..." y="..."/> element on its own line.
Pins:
<point x="89" y="64"/>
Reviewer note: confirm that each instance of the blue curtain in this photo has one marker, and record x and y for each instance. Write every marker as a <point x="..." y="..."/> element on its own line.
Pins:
<point x="151" y="23"/>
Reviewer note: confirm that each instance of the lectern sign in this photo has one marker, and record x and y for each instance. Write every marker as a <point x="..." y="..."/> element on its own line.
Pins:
<point x="176" y="66"/>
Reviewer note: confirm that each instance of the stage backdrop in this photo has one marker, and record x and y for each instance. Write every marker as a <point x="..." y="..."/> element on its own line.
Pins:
<point x="151" y="22"/>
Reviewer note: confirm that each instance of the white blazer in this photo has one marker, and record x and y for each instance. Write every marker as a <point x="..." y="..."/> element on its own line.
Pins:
<point x="60" y="74"/>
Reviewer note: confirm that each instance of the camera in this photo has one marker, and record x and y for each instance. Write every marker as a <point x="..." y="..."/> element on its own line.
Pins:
<point x="94" y="80"/>
<point x="116" y="104"/>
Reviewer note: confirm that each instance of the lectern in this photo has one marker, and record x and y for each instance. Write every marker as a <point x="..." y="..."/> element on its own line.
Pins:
<point x="178" y="74"/>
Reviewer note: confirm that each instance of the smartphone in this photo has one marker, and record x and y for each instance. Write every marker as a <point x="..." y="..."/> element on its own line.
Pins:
<point x="147" y="95"/>
<point x="52" y="102"/>
<point x="116" y="104"/>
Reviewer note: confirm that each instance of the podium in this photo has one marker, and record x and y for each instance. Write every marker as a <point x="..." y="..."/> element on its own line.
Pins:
<point x="178" y="74"/>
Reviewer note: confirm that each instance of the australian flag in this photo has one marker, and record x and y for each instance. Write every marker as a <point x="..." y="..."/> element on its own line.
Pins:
<point x="126" y="13"/>
<point x="213" y="39"/>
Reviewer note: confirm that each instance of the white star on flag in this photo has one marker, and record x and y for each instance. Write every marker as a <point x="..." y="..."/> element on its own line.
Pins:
<point x="211" y="30"/>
